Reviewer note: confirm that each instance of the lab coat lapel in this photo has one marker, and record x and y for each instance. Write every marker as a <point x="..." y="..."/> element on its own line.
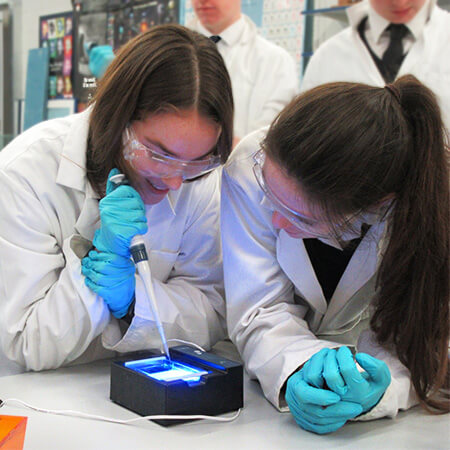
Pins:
<point x="72" y="166"/>
<point x="373" y="73"/>
<point x="356" y="14"/>
<point x="419" y="57"/>
<point x="295" y="262"/>
<point x="414" y="57"/>
<point x="360" y="270"/>
<point x="89" y="219"/>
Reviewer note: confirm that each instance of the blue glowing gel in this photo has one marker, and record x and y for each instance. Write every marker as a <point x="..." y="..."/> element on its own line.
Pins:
<point x="161" y="369"/>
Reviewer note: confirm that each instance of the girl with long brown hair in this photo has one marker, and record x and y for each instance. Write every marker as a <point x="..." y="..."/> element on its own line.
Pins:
<point x="69" y="292"/>
<point x="335" y="227"/>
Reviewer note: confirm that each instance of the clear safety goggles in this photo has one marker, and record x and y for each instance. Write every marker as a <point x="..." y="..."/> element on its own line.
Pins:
<point x="347" y="228"/>
<point x="163" y="165"/>
<point x="300" y="221"/>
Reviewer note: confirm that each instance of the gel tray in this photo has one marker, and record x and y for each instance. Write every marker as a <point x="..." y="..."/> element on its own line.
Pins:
<point x="164" y="370"/>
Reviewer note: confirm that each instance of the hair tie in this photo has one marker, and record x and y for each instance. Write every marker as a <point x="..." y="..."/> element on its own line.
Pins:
<point x="394" y="91"/>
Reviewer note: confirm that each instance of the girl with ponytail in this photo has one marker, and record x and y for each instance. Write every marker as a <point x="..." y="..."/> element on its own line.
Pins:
<point x="336" y="234"/>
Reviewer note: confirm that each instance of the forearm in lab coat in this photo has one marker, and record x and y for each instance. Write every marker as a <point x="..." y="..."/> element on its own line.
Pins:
<point x="48" y="317"/>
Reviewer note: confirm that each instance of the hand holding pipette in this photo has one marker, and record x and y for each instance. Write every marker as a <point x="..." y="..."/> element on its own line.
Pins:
<point x="140" y="258"/>
<point x="109" y="271"/>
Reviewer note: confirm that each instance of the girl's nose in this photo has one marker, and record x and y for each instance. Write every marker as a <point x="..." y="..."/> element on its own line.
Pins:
<point x="173" y="183"/>
<point x="279" y="221"/>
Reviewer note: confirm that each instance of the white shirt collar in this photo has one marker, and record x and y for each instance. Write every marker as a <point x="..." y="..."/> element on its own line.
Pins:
<point x="418" y="22"/>
<point x="378" y="24"/>
<point x="230" y="35"/>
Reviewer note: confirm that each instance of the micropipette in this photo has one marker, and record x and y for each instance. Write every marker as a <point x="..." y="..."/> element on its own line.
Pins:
<point x="140" y="258"/>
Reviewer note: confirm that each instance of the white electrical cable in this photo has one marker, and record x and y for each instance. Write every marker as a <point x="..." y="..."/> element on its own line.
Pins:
<point x="71" y="413"/>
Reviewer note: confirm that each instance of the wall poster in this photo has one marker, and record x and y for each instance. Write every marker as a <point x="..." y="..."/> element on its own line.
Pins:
<point x="111" y="22"/>
<point x="55" y="33"/>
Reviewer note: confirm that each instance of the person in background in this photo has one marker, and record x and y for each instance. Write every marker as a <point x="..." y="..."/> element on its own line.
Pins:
<point x="335" y="231"/>
<point x="100" y="57"/>
<point x="387" y="39"/>
<point x="263" y="75"/>
<point x="69" y="292"/>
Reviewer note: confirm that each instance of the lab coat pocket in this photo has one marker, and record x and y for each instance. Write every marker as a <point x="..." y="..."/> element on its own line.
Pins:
<point x="162" y="263"/>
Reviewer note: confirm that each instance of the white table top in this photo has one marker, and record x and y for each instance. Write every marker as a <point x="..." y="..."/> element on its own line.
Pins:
<point x="260" y="426"/>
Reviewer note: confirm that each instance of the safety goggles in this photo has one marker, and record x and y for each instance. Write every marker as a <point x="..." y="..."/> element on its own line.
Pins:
<point x="300" y="221"/>
<point x="163" y="165"/>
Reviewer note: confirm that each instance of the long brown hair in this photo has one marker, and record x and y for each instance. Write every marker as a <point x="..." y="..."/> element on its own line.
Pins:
<point x="166" y="67"/>
<point x="350" y="146"/>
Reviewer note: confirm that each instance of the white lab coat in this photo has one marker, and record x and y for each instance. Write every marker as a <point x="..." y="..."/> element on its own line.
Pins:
<point x="277" y="314"/>
<point x="48" y="215"/>
<point x="263" y="75"/>
<point x="344" y="57"/>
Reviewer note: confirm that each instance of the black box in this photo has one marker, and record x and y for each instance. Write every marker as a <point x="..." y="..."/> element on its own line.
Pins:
<point x="217" y="390"/>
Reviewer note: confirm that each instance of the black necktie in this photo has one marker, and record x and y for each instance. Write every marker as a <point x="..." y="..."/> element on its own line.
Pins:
<point x="215" y="38"/>
<point x="393" y="56"/>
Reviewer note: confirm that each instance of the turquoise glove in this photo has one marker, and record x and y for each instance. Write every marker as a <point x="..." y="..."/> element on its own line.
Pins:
<point x="318" y="410"/>
<point x="343" y="377"/>
<point x="313" y="368"/>
<point x="100" y="57"/>
<point x="122" y="215"/>
<point x="112" y="277"/>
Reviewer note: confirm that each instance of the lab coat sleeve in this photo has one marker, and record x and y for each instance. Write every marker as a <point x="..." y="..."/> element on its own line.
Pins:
<point x="48" y="317"/>
<point x="400" y="394"/>
<point x="265" y="323"/>
<point x="276" y="84"/>
<point x="190" y="302"/>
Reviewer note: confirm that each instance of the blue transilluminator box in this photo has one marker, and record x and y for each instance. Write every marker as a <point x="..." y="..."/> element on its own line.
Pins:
<point x="192" y="382"/>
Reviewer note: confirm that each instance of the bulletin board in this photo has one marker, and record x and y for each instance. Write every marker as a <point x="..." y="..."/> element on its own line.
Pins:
<point x="111" y="22"/>
<point x="55" y="33"/>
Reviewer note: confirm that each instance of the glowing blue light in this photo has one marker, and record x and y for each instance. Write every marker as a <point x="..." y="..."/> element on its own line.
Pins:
<point x="161" y="369"/>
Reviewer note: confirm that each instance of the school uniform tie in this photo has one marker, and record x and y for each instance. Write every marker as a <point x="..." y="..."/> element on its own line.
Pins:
<point x="215" y="38"/>
<point x="393" y="56"/>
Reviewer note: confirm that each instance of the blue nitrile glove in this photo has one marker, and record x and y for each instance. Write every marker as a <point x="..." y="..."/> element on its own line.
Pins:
<point x="343" y="377"/>
<point x="313" y="368"/>
<point x="318" y="410"/>
<point x="122" y="215"/>
<point x="112" y="277"/>
<point x="100" y="57"/>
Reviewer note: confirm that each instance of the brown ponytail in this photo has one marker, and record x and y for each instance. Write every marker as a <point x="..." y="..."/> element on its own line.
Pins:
<point x="412" y="306"/>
